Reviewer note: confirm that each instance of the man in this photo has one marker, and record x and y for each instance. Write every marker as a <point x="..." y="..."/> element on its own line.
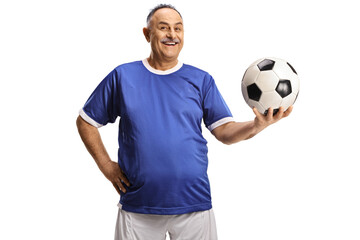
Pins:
<point x="161" y="172"/>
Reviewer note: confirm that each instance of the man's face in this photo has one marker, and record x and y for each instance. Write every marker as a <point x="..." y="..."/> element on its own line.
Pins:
<point x="166" y="34"/>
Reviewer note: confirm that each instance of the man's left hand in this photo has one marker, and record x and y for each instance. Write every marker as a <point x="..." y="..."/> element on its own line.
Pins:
<point x="262" y="121"/>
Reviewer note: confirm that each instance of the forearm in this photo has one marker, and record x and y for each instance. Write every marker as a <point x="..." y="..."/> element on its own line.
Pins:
<point x="92" y="140"/>
<point x="93" y="143"/>
<point x="234" y="132"/>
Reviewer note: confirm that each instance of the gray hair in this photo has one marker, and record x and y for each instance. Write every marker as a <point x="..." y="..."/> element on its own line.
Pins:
<point x="160" y="6"/>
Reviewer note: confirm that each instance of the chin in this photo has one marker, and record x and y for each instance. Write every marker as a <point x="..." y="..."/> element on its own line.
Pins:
<point x="171" y="56"/>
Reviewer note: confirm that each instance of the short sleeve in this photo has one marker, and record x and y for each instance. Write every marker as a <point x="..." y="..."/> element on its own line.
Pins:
<point x="103" y="105"/>
<point x="216" y="112"/>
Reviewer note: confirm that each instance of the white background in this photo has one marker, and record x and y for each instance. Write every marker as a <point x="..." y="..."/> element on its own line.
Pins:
<point x="298" y="179"/>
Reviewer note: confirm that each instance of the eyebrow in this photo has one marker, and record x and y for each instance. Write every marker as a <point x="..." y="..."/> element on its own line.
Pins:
<point x="178" y="23"/>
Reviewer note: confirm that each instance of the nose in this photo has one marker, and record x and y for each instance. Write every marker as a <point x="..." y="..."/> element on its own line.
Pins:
<point x="171" y="33"/>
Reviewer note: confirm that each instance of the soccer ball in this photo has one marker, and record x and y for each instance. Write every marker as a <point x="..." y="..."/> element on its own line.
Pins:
<point x="270" y="82"/>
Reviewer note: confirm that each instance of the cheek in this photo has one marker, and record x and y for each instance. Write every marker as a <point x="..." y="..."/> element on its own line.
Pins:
<point x="155" y="41"/>
<point x="155" y="37"/>
<point x="181" y="43"/>
<point x="181" y="39"/>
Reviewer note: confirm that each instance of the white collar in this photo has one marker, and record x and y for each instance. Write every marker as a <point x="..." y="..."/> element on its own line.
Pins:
<point x="160" y="72"/>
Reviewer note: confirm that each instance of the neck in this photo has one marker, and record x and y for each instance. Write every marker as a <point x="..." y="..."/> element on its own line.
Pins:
<point x="162" y="65"/>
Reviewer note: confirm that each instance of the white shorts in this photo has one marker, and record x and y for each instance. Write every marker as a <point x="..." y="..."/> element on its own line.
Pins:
<point x="189" y="226"/>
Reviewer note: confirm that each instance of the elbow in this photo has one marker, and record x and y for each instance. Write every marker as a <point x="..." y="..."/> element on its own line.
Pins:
<point x="225" y="140"/>
<point x="222" y="134"/>
<point x="229" y="140"/>
<point x="231" y="132"/>
<point x="227" y="143"/>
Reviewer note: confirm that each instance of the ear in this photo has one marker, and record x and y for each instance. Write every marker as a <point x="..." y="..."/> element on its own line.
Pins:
<point x="146" y="32"/>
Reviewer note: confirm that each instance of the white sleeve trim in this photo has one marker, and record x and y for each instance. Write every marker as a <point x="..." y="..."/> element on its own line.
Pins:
<point x="89" y="119"/>
<point x="220" y="122"/>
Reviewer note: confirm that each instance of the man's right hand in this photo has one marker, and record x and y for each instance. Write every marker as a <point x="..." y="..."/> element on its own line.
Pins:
<point x="91" y="137"/>
<point x="116" y="176"/>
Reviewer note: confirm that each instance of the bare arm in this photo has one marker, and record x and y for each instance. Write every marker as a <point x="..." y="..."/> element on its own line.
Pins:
<point x="91" y="137"/>
<point x="234" y="132"/>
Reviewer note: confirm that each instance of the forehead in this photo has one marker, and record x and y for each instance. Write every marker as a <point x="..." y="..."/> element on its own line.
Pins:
<point x="167" y="15"/>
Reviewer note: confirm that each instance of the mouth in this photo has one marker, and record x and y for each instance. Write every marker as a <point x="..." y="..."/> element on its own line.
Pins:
<point x="170" y="42"/>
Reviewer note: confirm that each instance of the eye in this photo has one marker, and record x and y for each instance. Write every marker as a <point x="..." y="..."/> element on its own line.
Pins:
<point x="163" y="28"/>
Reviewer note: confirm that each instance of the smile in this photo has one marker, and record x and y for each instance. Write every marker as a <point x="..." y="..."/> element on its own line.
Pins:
<point x="170" y="43"/>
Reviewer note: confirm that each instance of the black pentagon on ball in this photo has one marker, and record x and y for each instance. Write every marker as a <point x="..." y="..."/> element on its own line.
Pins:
<point x="254" y="92"/>
<point x="266" y="65"/>
<point x="284" y="88"/>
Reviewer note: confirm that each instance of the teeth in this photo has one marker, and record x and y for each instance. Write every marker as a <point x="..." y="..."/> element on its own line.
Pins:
<point x="170" y="43"/>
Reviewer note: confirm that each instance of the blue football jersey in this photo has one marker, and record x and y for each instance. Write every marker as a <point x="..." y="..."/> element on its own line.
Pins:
<point x="161" y="147"/>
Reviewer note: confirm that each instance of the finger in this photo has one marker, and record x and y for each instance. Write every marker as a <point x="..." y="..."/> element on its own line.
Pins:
<point x="123" y="178"/>
<point x="257" y="113"/>
<point x="288" y="111"/>
<point x="120" y="185"/>
<point x="116" y="187"/>
<point x="280" y="113"/>
<point x="269" y="114"/>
